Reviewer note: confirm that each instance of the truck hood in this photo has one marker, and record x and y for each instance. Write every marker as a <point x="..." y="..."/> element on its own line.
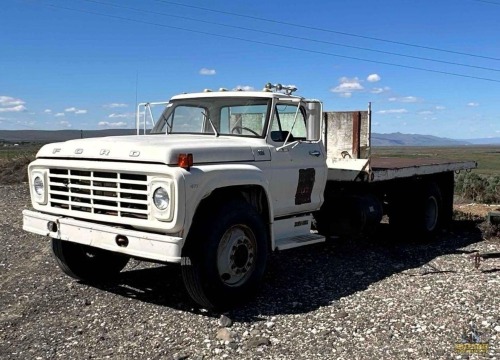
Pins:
<point x="157" y="149"/>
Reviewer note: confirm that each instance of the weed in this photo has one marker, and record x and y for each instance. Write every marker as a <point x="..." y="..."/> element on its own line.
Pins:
<point x="478" y="188"/>
<point x="15" y="169"/>
<point x="490" y="231"/>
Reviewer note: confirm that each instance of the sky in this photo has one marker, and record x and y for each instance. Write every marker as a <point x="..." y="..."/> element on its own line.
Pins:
<point x="427" y="67"/>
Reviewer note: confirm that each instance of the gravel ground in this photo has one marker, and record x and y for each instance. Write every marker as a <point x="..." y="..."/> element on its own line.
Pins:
<point x="379" y="300"/>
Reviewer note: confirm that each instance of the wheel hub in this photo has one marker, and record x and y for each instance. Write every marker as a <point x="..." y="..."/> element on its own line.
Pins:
<point x="236" y="255"/>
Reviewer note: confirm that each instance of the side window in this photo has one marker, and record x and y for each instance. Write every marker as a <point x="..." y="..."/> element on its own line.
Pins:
<point x="288" y="122"/>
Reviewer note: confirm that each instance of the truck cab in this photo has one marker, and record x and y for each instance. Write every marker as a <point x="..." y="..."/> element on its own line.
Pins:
<point x="281" y="132"/>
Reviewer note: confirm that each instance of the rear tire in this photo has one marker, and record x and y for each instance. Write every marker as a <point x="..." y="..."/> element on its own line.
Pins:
<point x="87" y="263"/>
<point x="420" y="214"/>
<point x="225" y="256"/>
<point x="432" y="206"/>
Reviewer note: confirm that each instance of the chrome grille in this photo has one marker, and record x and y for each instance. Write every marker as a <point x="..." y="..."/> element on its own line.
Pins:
<point x="99" y="192"/>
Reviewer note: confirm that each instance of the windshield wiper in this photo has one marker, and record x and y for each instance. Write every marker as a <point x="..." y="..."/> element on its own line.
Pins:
<point x="211" y="123"/>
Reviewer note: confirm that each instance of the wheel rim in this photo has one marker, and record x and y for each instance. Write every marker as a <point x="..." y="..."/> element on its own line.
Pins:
<point x="236" y="255"/>
<point x="431" y="213"/>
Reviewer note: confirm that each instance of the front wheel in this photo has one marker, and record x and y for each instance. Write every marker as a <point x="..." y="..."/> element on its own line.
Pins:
<point x="87" y="263"/>
<point x="225" y="257"/>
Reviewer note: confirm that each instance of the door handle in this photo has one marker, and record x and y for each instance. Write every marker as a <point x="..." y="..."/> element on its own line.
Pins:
<point x="314" y="153"/>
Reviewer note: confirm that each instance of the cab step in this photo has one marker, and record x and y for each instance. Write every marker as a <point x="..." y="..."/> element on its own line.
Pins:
<point x="296" y="241"/>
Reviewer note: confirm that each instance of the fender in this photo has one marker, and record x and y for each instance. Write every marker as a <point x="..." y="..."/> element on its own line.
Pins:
<point x="202" y="180"/>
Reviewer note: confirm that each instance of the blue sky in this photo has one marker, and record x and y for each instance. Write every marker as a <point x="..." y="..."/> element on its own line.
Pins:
<point x="67" y="69"/>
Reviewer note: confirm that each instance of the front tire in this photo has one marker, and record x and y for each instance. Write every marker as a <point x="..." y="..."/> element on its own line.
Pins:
<point x="87" y="263"/>
<point x="225" y="257"/>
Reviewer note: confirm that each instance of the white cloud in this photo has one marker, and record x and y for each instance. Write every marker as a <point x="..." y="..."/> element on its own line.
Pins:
<point x="440" y="107"/>
<point x="121" y="116"/>
<point x="60" y="114"/>
<point x="405" y="99"/>
<point x="205" y="71"/>
<point x="373" y="78"/>
<point x="75" y="110"/>
<point x="347" y="86"/>
<point x="16" y="108"/>
<point x="393" y="111"/>
<point x="8" y="101"/>
<point x="426" y="112"/>
<point x="112" y="124"/>
<point x="380" y="90"/>
<point x="244" y="88"/>
<point x="47" y="111"/>
<point x="65" y="123"/>
<point x="115" y="105"/>
<point x="473" y="104"/>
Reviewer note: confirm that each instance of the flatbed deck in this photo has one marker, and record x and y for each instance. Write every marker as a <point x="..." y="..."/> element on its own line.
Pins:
<point x="388" y="168"/>
<point x="393" y="168"/>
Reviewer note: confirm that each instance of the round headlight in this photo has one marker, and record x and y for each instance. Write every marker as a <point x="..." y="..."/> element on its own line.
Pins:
<point x="38" y="185"/>
<point x="161" y="198"/>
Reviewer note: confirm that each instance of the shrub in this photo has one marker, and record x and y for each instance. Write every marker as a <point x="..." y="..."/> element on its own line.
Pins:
<point x="478" y="188"/>
<point x="15" y="170"/>
<point x="490" y="231"/>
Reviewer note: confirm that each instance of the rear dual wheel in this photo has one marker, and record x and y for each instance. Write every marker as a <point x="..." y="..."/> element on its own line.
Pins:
<point x="418" y="212"/>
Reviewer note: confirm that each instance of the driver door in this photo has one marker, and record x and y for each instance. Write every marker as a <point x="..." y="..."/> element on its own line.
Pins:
<point x="297" y="164"/>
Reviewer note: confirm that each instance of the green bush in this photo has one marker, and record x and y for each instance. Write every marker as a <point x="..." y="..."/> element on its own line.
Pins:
<point x="478" y="188"/>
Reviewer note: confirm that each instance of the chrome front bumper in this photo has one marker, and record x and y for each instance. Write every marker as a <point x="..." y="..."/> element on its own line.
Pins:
<point x="140" y="244"/>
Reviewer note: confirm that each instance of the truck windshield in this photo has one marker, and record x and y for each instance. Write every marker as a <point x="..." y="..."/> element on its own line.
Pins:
<point x="228" y="116"/>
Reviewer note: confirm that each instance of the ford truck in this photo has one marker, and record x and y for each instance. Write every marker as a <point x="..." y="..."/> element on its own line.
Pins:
<point x="218" y="181"/>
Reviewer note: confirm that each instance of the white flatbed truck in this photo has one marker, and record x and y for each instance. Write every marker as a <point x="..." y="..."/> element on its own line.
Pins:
<point x="221" y="179"/>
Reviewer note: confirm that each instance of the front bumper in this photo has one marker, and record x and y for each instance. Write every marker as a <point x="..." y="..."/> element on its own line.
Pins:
<point x="140" y="244"/>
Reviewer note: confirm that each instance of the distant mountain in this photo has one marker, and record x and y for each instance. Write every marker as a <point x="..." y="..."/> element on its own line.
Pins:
<point x="399" y="139"/>
<point x="485" y="141"/>
<point x="41" y="136"/>
<point x="393" y="139"/>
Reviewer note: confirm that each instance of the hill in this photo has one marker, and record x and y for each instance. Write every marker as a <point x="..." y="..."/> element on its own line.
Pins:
<point x="485" y="141"/>
<point x="43" y="136"/>
<point x="399" y="139"/>
<point x="392" y="139"/>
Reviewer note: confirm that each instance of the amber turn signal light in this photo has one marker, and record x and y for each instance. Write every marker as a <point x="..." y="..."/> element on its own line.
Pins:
<point x="185" y="161"/>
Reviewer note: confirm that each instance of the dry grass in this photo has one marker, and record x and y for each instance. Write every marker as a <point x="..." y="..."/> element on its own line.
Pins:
<point x="15" y="170"/>
<point x="490" y="231"/>
<point x="487" y="157"/>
